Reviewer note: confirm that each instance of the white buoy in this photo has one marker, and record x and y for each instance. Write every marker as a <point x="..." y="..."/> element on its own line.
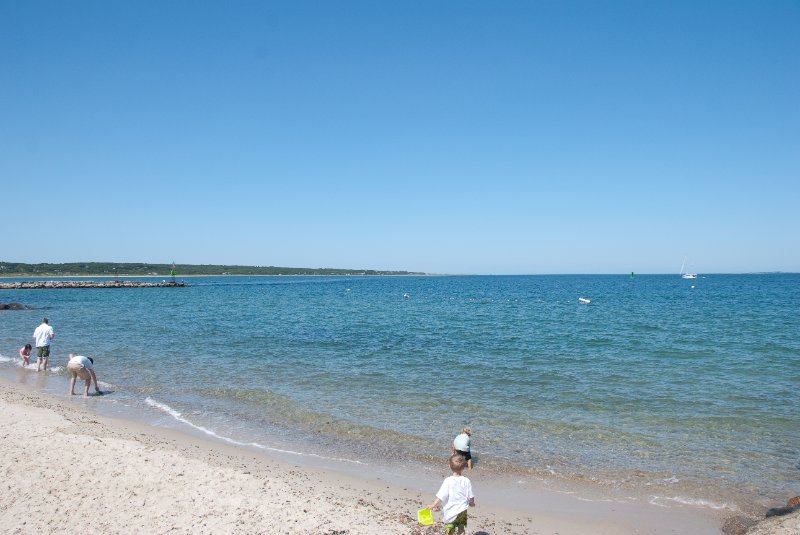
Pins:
<point x="584" y="301"/>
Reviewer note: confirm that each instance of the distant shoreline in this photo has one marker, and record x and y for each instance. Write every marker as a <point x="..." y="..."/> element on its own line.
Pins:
<point x="146" y="269"/>
<point x="131" y="275"/>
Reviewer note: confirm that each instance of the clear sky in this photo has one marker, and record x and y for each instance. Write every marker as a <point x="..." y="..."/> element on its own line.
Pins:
<point x="444" y="137"/>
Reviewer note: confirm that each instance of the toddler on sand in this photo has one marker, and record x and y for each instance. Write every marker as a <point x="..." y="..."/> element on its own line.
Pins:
<point x="455" y="496"/>
<point x="461" y="445"/>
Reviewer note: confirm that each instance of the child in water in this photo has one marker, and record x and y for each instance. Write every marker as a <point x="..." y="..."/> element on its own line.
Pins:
<point x="461" y="445"/>
<point x="455" y="496"/>
<point x="25" y="354"/>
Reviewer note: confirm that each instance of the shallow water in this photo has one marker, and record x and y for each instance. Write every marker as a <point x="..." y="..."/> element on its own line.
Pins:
<point x="683" y="390"/>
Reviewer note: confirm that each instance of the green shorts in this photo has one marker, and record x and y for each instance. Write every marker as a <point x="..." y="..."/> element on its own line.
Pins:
<point x="42" y="352"/>
<point x="458" y="522"/>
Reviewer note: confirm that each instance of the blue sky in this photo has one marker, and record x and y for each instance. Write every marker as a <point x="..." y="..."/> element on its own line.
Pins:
<point x="445" y="137"/>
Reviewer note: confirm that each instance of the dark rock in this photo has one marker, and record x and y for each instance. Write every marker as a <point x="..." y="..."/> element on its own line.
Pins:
<point x="737" y="525"/>
<point x="780" y="511"/>
<point x="14" y="306"/>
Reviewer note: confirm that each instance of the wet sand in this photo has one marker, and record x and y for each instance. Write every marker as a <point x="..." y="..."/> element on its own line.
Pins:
<point x="67" y="469"/>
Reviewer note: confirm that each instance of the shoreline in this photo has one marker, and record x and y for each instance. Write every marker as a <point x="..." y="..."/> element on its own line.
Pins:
<point x="263" y="492"/>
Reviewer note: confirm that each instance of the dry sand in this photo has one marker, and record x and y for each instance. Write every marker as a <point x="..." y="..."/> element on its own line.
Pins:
<point x="68" y="470"/>
<point x="779" y="525"/>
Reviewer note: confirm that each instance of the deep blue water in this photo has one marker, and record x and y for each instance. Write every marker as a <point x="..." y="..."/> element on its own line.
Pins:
<point x="676" y="387"/>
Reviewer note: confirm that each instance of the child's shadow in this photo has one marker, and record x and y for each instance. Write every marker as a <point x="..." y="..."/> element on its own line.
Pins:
<point x="481" y="533"/>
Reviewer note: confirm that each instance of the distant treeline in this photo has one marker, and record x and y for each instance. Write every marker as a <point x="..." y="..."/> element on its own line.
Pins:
<point x="112" y="269"/>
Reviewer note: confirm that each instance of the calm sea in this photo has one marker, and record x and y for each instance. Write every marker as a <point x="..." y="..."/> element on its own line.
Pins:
<point x="685" y="390"/>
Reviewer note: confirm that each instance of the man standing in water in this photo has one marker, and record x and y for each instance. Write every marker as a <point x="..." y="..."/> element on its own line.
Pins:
<point x="43" y="335"/>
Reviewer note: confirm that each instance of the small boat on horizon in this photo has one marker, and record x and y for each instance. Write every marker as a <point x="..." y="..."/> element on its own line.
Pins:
<point x="686" y="275"/>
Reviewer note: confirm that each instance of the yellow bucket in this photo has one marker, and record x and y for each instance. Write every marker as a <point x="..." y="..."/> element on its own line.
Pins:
<point x="425" y="517"/>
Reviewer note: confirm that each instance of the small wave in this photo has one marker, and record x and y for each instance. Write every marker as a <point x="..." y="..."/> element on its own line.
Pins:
<point x="163" y="407"/>
<point x="694" y="502"/>
<point x="31" y="365"/>
<point x="669" y="480"/>
<point x="603" y="500"/>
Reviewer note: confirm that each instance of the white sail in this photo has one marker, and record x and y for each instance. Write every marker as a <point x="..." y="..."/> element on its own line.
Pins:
<point x="685" y="275"/>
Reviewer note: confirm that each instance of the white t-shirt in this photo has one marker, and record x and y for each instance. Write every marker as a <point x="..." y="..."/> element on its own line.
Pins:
<point x="42" y="335"/>
<point x="461" y="443"/>
<point x="455" y="494"/>
<point x="83" y="361"/>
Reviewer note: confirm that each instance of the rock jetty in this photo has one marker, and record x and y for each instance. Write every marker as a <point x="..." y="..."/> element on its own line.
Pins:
<point x="47" y="285"/>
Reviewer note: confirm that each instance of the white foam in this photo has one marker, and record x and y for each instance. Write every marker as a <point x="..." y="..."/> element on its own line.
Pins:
<point x="31" y="364"/>
<point x="664" y="501"/>
<point x="600" y="500"/>
<point x="163" y="407"/>
<point x="669" y="480"/>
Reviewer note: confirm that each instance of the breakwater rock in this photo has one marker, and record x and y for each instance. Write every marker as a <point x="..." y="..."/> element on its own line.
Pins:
<point x="47" y="285"/>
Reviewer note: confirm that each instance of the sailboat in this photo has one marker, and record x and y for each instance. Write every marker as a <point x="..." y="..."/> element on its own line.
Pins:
<point x="686" y="275"/>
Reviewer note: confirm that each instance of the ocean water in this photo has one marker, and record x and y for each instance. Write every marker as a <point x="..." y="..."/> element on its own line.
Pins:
<point x="681" y="391"/>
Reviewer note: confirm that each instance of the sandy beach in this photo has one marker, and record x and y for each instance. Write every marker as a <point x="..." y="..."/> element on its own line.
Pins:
<point x="68" y="470"/>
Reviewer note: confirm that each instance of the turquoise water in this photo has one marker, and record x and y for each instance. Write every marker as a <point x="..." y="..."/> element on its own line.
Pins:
<point x="685" y="390"/>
